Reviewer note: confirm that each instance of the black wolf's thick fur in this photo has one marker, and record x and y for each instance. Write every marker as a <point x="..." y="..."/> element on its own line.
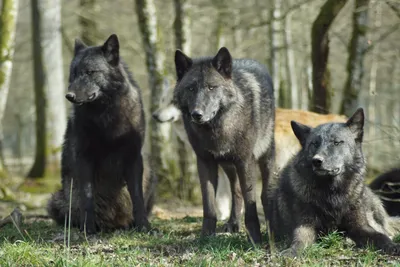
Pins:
<point x="228" y="112"/>
<point x="101" y="154"/>
<point x="387" y="187"/>
<point x="322" y="189"/>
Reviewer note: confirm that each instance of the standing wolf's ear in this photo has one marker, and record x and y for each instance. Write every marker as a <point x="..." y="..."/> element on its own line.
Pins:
<point x="111" y="50"/>
<point x="222" y="62"/>
<point x="301" y="131"/>
<point x="356" y="124"/>
<point x="182" y="63"/>
<point x="79" y="45"/>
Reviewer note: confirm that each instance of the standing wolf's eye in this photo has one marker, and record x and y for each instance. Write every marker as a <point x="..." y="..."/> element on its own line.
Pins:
<point x="191" y="89"/>
<point x="314" y="144"/>
<point x="336" y="143"/>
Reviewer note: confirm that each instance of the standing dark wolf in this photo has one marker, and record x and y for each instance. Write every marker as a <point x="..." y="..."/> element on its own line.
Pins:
<point x="387" y="187"/>
<point x="322" y="189"/>
<point x="228" y="112"/>
<point x="101" y="155"/>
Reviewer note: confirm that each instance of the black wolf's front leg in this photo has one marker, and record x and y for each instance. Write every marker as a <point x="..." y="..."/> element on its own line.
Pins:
<point x="84" y="176"/>
<point x="247" y="178"/>
<point x="208" y="174"/>
<point x="303" y="236"/>
<point x="134" y="180"/>
<point x="365" y="235"/>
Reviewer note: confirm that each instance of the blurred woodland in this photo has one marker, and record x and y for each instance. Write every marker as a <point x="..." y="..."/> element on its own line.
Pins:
<point x="326" y="56"/>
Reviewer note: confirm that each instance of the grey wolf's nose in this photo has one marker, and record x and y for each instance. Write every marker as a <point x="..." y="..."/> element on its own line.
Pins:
<point x="317" y="161"/>
<point x="197" y="115"/>
<point x="155" y="116"/>
<point x="70" y="96"/>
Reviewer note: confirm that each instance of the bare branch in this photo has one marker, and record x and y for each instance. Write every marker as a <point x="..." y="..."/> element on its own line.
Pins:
<point x="383" y="36"/>
<point x="394" y="7"/>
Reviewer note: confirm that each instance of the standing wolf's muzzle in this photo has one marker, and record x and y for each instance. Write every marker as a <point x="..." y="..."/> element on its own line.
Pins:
<point x="71" y="97"/>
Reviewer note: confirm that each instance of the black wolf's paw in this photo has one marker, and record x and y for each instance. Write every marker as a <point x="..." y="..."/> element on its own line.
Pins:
<point x="89" y="229"/>
<point x="392" y="249"/>
<point x="231" y="227"/>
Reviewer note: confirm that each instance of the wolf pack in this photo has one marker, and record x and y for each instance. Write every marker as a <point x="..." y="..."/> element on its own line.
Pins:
<point x="227" y="108"/>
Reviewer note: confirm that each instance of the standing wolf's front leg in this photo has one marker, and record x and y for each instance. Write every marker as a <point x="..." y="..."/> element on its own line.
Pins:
<point x="208" y="174"/>
<point x="303" y="236"/>
<point x="247" y="178"/>
<point x="84" y="174"/>
<point x="134" y="179"/>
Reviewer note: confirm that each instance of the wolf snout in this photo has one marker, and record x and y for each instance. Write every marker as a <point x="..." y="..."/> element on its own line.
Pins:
<point x="70" y="97"/>
<point x="197" y="115"/>
<point x="317" y="161"/>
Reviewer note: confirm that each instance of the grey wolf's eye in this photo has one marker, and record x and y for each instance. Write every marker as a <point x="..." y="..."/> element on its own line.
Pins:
<point x="211" y="87"/>
<point x="336" y="143"/>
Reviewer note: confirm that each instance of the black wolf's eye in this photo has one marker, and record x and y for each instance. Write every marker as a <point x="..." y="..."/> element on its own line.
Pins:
<point x="191" y="89"/>
<point x="90" y="72"/>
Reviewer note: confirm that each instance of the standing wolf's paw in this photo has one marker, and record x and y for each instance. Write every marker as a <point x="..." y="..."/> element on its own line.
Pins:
<point x="231" y="227"/>
<point x="289" y="253"/>
<point x="142" y="225"/>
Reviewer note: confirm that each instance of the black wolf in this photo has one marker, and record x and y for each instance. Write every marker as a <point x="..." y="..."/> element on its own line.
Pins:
<point x="101" y="157"/>
<point x="322" y="188"/>
<point x="387" y="187"/>
<point x="228" y="112"/>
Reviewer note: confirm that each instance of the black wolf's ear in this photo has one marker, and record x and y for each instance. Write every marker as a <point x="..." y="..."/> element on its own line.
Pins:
<point x="222" y="62"/>
<point x="111" y="50"/>
<point x="301" y="131"/>
<point x="79" y="45"/>
<point x="356" y="124"/>
<point x="182" y="63"/>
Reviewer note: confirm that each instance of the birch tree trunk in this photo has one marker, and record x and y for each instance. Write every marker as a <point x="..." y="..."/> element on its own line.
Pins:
<point x="355" y="64"/>
<point x="49" y="85"/>
<point x="8" y="23"/>
<point x="183" y="42"/>
<point x="319" y="55"/>
<point x="159" y="145"/>
<point x="276" y="39"/>
<point x="291" y="65"/>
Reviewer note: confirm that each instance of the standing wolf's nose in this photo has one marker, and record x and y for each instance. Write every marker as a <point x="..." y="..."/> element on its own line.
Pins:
<point x="70" y="96"/>
<point x="197" y="115"/>
<point x="317" y="161"/>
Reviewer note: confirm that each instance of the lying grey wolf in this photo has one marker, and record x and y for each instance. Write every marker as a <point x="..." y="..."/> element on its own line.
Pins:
<point x="228" y="112"/>
<point x="322" y="188"/>
<point x="387" y="187"/>
<point x="101" y="154"/>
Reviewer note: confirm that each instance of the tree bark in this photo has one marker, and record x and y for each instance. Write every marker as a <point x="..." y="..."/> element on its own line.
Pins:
<point x="319" y="55"/>
<point x="159" y="145"/>
<point x="183" y="42"/>
<point x="49" y="85"/>
<point x="355" y="64"/>
<point x="8" y="25"/>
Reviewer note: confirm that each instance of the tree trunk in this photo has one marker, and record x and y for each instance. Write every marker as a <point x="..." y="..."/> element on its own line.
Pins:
<point x="291" y="65"/>
<point x="355" y="64"/>
<point x="183" y="42"/>
<point x="8" y="23"/>
<point x="159" y="145"/>
<point x="319" y="55"/>
<point x="49" y="85"/>
<point x="89" y="33"/>
<point x="275" y="58"/>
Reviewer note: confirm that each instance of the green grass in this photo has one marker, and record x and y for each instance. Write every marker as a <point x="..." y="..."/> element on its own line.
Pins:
<point x="177" y="243"/>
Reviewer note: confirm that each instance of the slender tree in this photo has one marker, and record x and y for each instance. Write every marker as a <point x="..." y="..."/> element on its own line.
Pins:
<point x="355" y="65"/>
<point x="159" y="145"/>
<point x="319" y="55"/>
<point x="8" y="23"/>
<point x="49" y="85"/>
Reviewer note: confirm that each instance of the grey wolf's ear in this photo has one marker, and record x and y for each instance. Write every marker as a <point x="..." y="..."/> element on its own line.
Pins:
<point x="356" y="124"/>
<point x="111" y="50"/>
<point x="222" y="62"/>
<point x="79" y="45"/>
<point x="301" y="131"/>
<point x="182" y="63"/>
